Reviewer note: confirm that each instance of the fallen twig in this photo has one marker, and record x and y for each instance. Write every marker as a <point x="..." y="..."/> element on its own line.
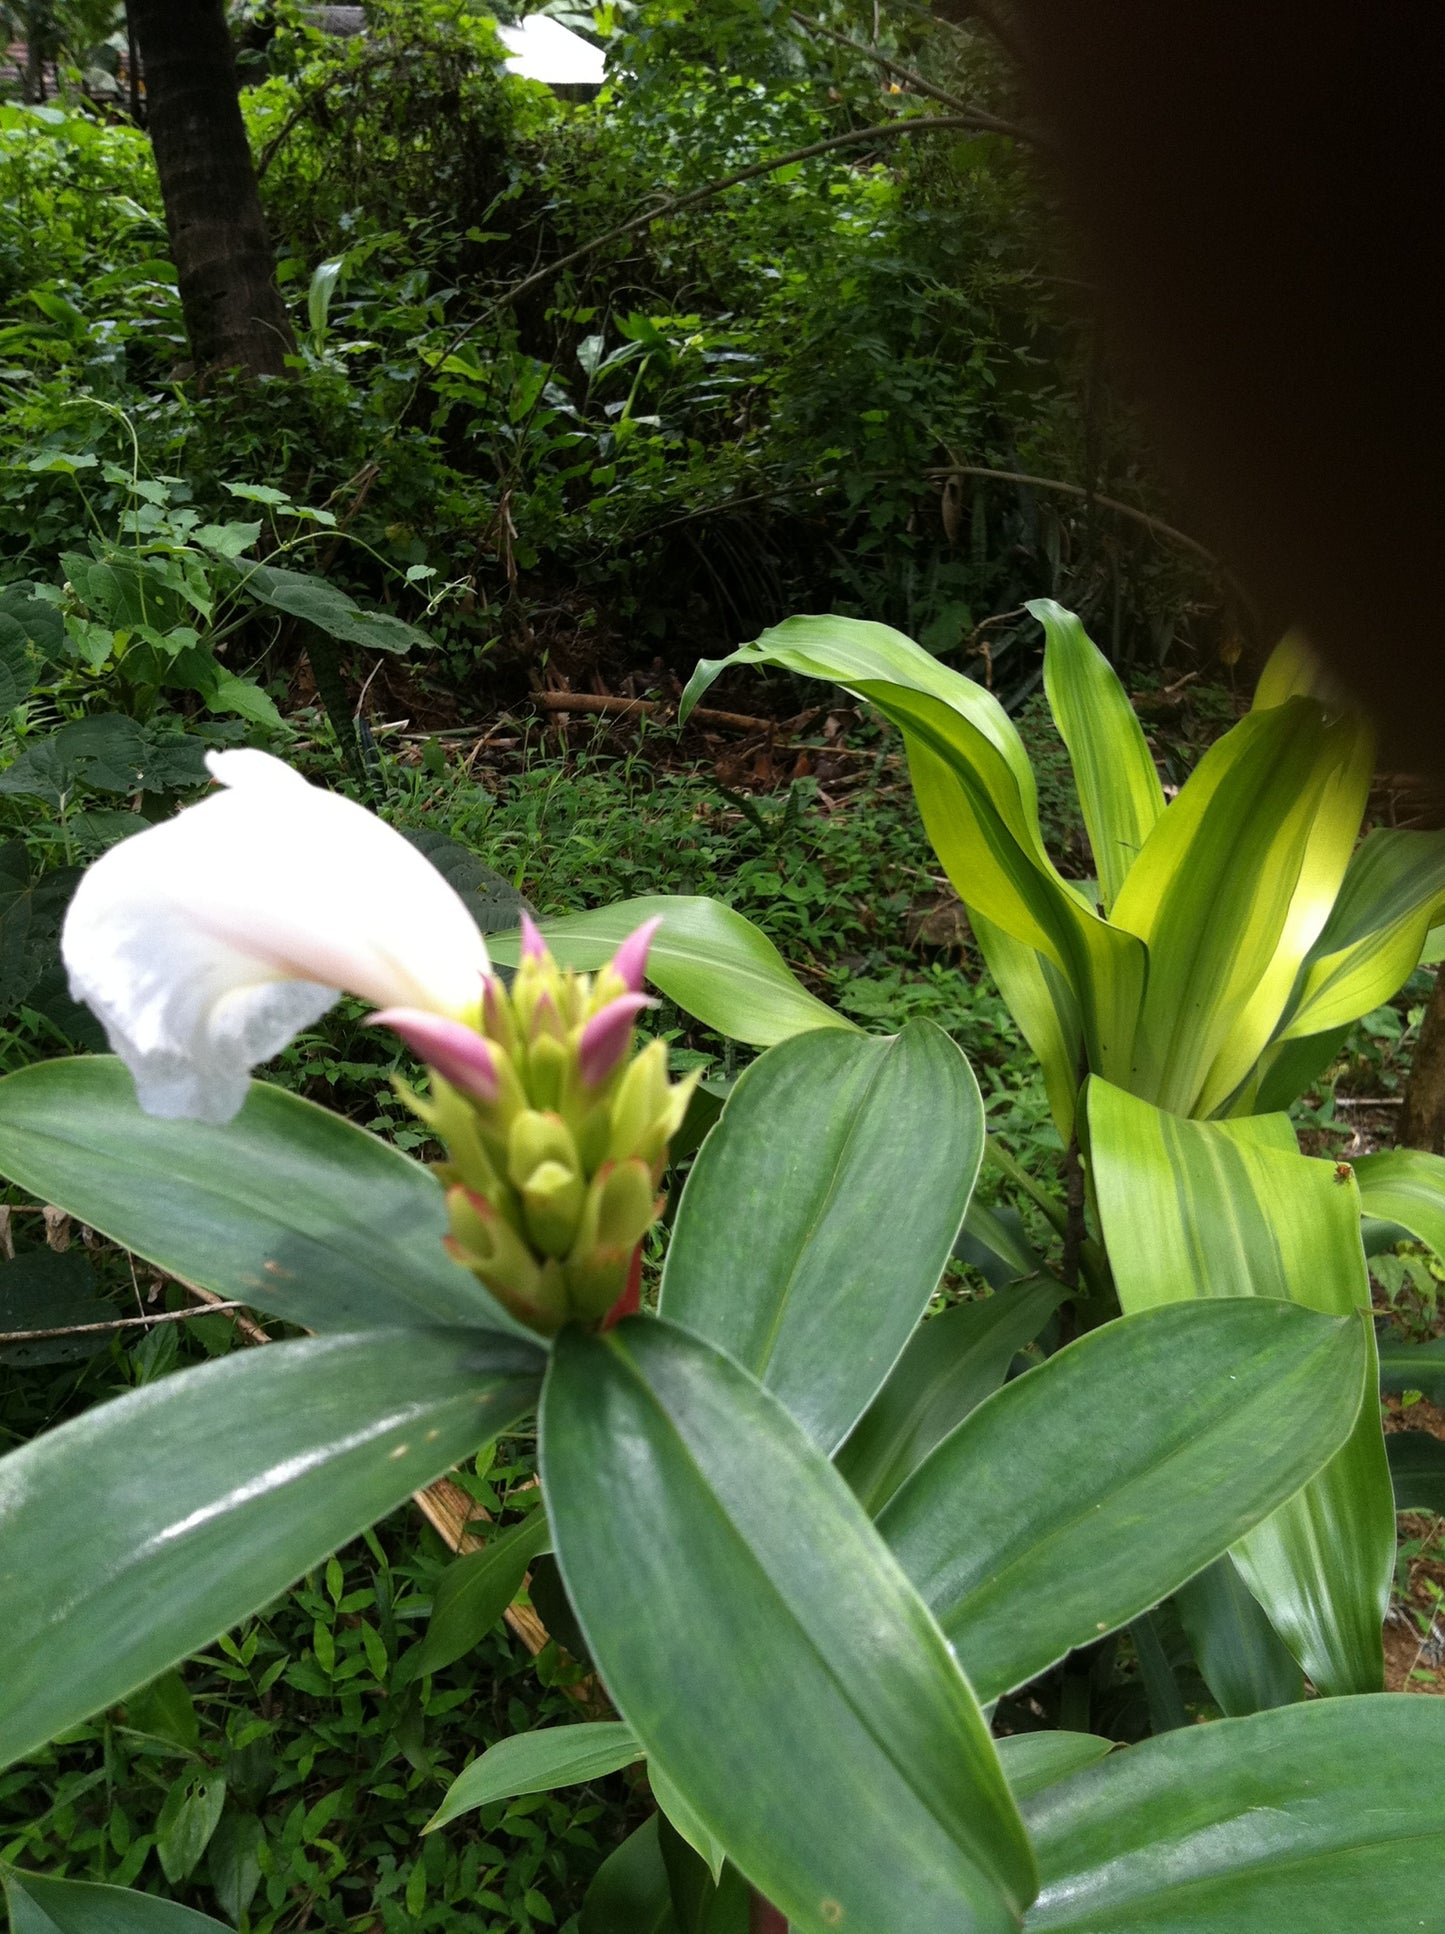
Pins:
<point x="8" y="1337"/>
<point x="622" y="708"/>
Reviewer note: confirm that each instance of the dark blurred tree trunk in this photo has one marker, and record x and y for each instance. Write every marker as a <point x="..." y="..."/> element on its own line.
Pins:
<point x="38" y="27"/>
<point x="235" y="317"/>
<point x="1422" y="1123"/>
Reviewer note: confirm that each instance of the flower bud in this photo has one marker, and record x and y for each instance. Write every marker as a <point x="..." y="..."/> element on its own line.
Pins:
<point x="556" y="1133"/>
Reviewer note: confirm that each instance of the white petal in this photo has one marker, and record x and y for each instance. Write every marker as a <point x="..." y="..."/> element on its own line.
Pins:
<point x="205" y="943"/>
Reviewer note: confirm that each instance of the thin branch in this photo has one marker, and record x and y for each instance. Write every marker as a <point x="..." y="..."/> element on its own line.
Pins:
<point x="117" y="1323"/>
<point x="675" y="204"/>
<point x="989" y="123"/>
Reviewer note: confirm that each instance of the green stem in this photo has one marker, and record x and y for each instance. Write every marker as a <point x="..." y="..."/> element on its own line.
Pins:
<point x="995" y="1152"/>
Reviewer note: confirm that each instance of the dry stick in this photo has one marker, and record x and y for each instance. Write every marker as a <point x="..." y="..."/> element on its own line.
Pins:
<point x="622" y="708"/>
<point x="989" y="123"/>
<point x="674" y="204"/>
<point x="116" y="1323"/>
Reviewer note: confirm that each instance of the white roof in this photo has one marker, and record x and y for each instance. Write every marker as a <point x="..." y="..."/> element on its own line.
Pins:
<point x="544" y="50"/>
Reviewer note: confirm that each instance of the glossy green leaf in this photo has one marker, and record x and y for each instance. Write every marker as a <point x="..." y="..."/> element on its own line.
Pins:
<point x="1312" y="1817"/>
<point x="1413" y="1366"/>
<point x="760" y="1640"/>
<point x="1231" y="890"/>
<point x="685" y="1822"/>
<point x="1083" y="1493"/>
<point x="780" y="1254"/>
<point x="1032" y="1761"/>
<point x="710" y="960"/>
<point x="1243" y="1660"/>
<point x="1206" y="1209"/>
<point x="1407" y="1186"/>
<point x="539" y="1762"/>
<point x="289" y="1207"/>
<point x="952" y="1362"/>
<point x="1417" y="1470"/>
<point x="976" y="793"/>
<point x="472" y="1594"/>
<point x="41" y="1906"/>
<point x="1392" y="891"/>
<point x="1118" y="787"/>
<point x="141" y="1529"/>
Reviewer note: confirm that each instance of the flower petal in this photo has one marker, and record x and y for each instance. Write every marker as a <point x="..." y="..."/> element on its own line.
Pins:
<point x="206" y="942"/>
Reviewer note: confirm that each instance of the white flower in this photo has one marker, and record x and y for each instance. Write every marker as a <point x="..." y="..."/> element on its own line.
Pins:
<point x="206" y="943"/>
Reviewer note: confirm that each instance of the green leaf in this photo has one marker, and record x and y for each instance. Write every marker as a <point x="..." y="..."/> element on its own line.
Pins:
<point x="1135" y="1472"/>
<point x="41" y="1290"/>
<point x="1043" y="1005"/>
<point x="317" y="602"/>
<point x="1244" y="1662"/>
<point x="41" y="1906"/>
<point x="755" y="1633"/>
<point x="1413" y="1366"/>
<point x="1407" y="1186"/>
<point x="1325" y="1815"/>
<point x="631" y="1892"/>
<point x="1375" y="935"/>
<point x="140" y="1530"/>
<point x="493" y="902"/>
<point x="1417" y="1469"/>
<point x="1118" y="787"/>
<point x="184" y="1830"/>
<point x="710" y="960"/>
<point x="779" y="1249"/>
<point x="233" y="1860"/>
<point x="539" y="1762"/>
<point x="952" y="1362"/>
<point x="473" y="1593"/>
<point x="1032" y="1761"/>
<point x="1207" y="1209"/>
<point x="1231" y="890"/>
<point x="976" y="793"/>
<point x="685" y="1822"/>
<point x="289" y="1207"/>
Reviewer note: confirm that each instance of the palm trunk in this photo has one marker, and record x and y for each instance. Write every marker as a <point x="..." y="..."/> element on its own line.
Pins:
<point x="235" y="317"/>
<point x="1422" y="1123"/>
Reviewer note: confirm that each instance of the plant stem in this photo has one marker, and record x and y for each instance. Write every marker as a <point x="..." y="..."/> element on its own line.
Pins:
<point x="995" y="1152"/>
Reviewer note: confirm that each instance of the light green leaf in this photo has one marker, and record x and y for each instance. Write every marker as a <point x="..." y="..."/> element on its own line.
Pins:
<point x="685" y="1821"/>
<point x="539" y="1762"/>
<point x="41" y="1906"/>
<point x="1083" y="1493"/>
<point x="975" y="791"/>
<point x="952" y="1362"/>
<point x="1230" y="892"/>
<point x="472" y="1594"/>
<point x="780" y="1252"/>
<point x="1118" y="787"/>
<point x="1206" y="1209"/>
<point x="289" y="1207"/>
<point x="1043" y="1005"/>
<point x="760" y="1640"/>
<point x="711" y="961"/>
<point x="318" y="295"/>
<point x="1406" y="1185"/>
<point x="270" y="1459"/>
<point x="1311" y="1817"/>
<point x="1376" y="933"/>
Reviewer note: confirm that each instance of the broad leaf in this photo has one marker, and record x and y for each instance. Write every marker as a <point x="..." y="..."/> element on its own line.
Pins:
<point x="1081" y="1494"/>
<point x="631" y="1892"/>
<point x="138" y="1531"/>
<point x="1244" y="1662"/>
<point x="1417" y="1469"/>
<point x="1118" y="787"/>
<point x="709" y="959"/>
<point x="289" y="1207"/>
<point x="952" y="1362"/>
<point x="1043" y="1005"/>
<point x="317" y="602"/>
<point x="472" y="1594"/>
<point x="760" y="1640"/>
<point x="539" y="1762"/>
<point x="41" y="1906"/>
<point x="1413" y="1366"/>
<point x="1206" y="1209"/>
<point x="780" y="1254"/>
<point x="1032" y="1761"/>
<point x="1319" y="1816"/>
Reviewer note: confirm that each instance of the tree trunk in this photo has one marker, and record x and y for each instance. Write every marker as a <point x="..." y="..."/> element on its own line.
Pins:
<point x="38" y="25"/>
<point x="235" y="317"/>
<point x="1422" y="1123"/>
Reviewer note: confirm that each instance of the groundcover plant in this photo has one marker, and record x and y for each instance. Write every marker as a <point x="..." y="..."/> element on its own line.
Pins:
<point x="810" y="1533"/>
